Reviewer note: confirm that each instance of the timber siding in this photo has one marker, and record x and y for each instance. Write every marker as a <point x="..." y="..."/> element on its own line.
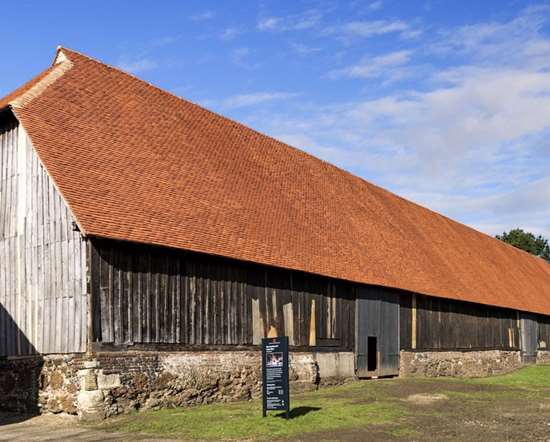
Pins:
<point x="543" y="332"/>
<point x="152" y="295"/>
<point x="437" y="324"/>
<point x="43" y="296"/>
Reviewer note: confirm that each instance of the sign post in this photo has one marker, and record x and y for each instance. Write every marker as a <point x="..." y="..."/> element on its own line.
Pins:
<point x="275" y="386"/>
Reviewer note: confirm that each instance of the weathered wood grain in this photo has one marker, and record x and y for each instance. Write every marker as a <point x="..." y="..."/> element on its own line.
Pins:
<point x="442" y="324"/>
<point x="204" y="300"/>
<point x="43" y="293"/>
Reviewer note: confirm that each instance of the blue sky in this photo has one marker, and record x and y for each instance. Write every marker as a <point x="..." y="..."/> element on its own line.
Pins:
<point x="446" y="103"/>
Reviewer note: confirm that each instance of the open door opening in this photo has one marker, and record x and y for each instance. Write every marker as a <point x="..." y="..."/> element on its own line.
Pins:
<point x="372" y="354"/>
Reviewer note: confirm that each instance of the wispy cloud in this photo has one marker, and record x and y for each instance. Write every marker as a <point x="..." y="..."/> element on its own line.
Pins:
<point x="163" y="41"/>
<point x="138" y="65"/>
<point x="298" y="22"/>
<point x="470" y="140"/>
<point x="369" y="29"/>
<point x="145" y="58"/>
<point x="250" y="99"/>
<point x="371" y="67"/>
<point x="303" y="50"/>
<point x="203" y="15"/>
<point x="374" y="6"/>
<point x="230" y="33"/>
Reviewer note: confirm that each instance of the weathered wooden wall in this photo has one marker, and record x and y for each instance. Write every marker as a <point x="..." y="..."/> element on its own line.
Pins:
<point x="429" y="323"/>
<point x="43" y="301"/>
<point x="543" y="332"/>
<point x="148" y="295"/>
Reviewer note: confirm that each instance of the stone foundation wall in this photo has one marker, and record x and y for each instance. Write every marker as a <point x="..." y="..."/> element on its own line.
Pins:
<point x="543" y="357"/>
<point x="106" y="384"/>
<point x="459" y="363"/>
<point x="40" y="384"/>
<point x="18" y="384"/>
<point x="114" y="383"/>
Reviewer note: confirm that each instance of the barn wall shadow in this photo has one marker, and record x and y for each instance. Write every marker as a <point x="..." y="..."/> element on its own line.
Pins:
<point x="20" y="370"/>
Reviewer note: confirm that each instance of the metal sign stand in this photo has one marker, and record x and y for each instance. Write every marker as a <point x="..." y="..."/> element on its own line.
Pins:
<point x="275" y="384"/>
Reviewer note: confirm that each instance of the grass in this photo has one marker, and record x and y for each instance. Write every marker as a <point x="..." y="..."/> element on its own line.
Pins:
<point x="357" y="405"/>
<point x="533" y="377"/>
<point x="243" y="419"/>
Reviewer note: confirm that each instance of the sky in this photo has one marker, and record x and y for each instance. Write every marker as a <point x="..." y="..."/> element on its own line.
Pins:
<point x="444" y="102"/>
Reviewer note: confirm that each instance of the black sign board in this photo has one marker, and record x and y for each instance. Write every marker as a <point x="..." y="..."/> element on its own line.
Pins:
<point x="275" y="374"/>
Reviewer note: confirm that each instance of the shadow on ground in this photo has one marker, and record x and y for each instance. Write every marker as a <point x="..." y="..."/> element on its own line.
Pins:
<point x="299" y="411"/>
<point x="7" y="418"/>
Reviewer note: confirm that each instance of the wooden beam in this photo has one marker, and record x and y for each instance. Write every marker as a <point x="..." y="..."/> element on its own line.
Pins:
<point x="413" y="322"/>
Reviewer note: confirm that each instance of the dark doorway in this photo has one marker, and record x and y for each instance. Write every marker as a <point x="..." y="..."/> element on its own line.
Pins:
<point x="377" y="351"/>
<point x="372" y="356"/>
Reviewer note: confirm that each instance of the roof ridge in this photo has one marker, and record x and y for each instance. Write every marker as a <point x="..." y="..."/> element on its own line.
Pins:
<point x="57" y="71"/>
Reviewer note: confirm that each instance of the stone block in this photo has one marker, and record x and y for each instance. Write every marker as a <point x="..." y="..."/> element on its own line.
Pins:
<point x="88" y="380"/>
<point x="108" y="381"/>
<point x="91" y="364"/>
<point x="90" y="405"/>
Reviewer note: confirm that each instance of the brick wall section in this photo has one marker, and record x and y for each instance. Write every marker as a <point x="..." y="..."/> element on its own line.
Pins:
<point x="459" y="363"/>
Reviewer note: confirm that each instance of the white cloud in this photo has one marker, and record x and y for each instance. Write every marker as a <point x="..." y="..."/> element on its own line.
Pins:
<point x="298" y="22"/>
<point x="303" y="50"/>
<point x="374" y="6"/>
<point x="376" y="66"/>
<point x="252" y="99"/>
<point x="269" y="24"/>
<point x="203" y="15"/>
<point x="137" y="66"/>
<point x="163" y="41"/>
<point x="230" y="33"/>
<point x="470" y="141"/>
<point x="374" y="28"/>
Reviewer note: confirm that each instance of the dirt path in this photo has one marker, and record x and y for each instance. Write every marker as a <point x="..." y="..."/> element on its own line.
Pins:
<point x="453" y="411"/>
<point x="56" y="428"/>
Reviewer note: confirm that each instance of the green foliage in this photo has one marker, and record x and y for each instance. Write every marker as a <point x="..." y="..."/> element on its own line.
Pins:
<point x="536" y="245"/>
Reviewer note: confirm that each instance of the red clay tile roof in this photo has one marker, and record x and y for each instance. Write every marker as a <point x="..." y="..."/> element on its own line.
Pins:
<point x="135" y="163"/>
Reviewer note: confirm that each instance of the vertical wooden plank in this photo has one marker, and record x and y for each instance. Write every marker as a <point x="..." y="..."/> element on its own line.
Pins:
<point x="413" y="322"/>
<point x="312" y="326"/>
<point x="289" y="322"/>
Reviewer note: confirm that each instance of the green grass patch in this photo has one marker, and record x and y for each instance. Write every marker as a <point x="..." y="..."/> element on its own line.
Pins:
<point x="243" y="420"/>
<point x="533" y="377"/>
<point x="357" y="405"/>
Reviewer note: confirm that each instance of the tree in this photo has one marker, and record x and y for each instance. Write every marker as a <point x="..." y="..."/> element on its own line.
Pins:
<point x="536" y="245"/>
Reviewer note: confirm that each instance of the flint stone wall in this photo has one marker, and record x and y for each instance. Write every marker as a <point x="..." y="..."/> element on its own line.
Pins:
<point x="114" y="383"/>
<point x="106" y="384"/>
<point x="468" y="364"/>
<point x="39" y="383"/>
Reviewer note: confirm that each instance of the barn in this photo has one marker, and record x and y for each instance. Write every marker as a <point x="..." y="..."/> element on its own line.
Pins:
<point x="148" y="244"/>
